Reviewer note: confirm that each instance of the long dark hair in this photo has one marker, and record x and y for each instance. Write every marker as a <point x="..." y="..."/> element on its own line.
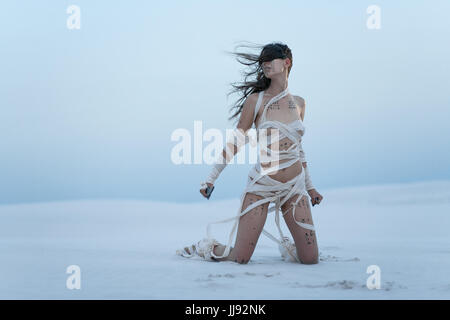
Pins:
<point x="254" y="62"/>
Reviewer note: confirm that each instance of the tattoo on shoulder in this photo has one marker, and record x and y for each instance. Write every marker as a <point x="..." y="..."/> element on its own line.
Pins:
<point x="292" y="104"/>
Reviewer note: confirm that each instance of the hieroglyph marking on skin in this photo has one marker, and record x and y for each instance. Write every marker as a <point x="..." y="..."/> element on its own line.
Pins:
<point x="292" y="104"/>
<point x="374" y="280"/>
<point x="74" y="280"/>
<point x="274" y="106"/>
<point x="74" y="20"/>
<point x="374" y="20"/>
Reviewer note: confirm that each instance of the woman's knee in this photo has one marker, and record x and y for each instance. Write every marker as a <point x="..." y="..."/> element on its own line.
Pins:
<point x="242" y="254"/>
<point x="309" y="260"/>
<point x="241" y="259"/>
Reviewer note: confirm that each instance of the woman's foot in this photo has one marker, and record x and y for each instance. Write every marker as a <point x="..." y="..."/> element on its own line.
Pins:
<point x="203" y="249"/>
<point x="187" y="252"/>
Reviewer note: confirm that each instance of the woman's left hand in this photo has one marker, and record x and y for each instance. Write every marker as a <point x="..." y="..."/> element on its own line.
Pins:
<point x="316" y="197"/>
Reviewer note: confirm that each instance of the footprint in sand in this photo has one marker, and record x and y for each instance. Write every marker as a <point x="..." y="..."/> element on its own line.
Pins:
<point x="229" y="275"/>
<point x="328" y="257"/>
<point x="349" y="284"/>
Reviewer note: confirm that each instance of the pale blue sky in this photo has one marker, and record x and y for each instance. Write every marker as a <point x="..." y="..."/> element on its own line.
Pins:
<point x="89" y="113"/>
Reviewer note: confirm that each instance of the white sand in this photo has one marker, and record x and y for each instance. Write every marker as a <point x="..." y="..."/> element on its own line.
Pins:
<point x="126" y="249"/>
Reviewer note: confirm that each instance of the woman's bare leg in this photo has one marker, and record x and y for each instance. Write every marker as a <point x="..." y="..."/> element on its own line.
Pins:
<point x="305" y="239"/>
<point x="249" y="229"/>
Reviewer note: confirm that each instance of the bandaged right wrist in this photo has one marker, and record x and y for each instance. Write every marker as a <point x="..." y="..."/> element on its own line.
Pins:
<point x="221" y="162"/>
<point x="217" y="168"/>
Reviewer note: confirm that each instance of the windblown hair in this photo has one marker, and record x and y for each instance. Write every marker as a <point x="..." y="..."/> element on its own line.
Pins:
<point x="255" y="80"/>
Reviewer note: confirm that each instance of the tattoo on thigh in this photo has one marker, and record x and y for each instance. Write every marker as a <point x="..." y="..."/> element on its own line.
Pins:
<point x="309" y="237"/>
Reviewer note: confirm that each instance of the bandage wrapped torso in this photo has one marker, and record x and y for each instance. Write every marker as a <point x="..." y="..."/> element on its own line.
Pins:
<point x="239" y="139"/>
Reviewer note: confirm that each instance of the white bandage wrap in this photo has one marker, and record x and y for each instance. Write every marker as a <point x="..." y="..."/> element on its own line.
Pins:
<point x="308" y="182"/>
<point x="301" y="152"/>
<point x="221" y="162"/>
<point x="217" y="168"/>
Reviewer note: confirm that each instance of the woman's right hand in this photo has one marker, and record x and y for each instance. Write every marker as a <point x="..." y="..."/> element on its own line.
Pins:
<point x="203" y="191"/>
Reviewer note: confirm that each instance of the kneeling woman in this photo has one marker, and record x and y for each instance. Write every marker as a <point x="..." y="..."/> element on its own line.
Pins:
<point x="268" y="105"/>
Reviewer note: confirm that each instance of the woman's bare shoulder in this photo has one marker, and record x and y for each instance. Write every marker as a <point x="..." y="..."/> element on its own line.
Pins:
<point x="248" y="110"/>
<point x="250" y="102"/>
<point x="301" y="105"/>
<point x="250" y="106"/>
<point x="300" y="101"/>
<point x="253" y="97"/>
